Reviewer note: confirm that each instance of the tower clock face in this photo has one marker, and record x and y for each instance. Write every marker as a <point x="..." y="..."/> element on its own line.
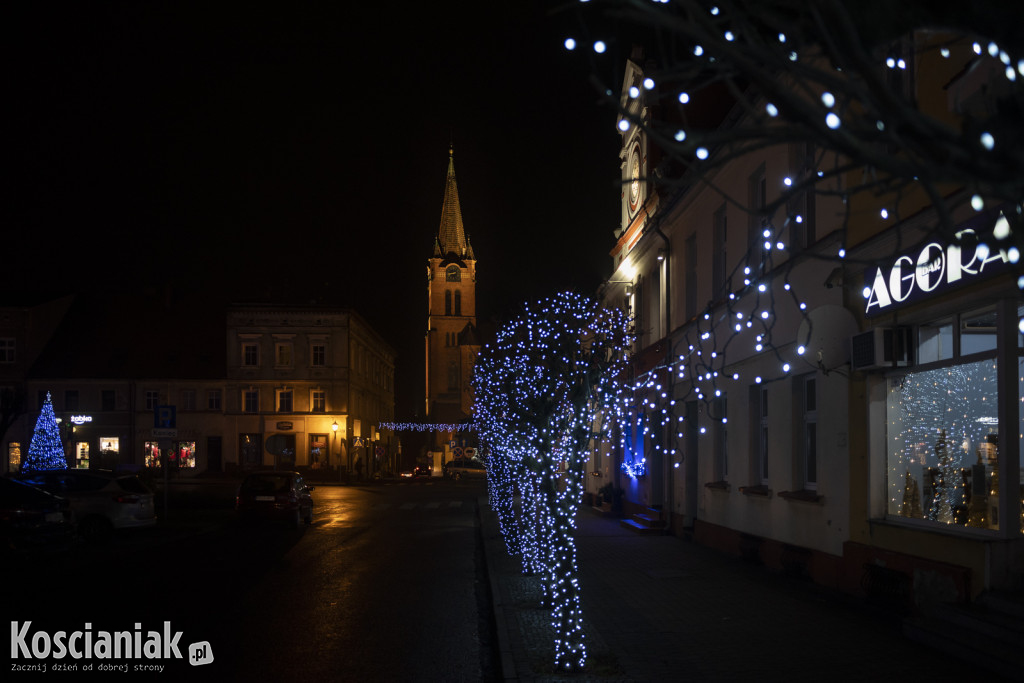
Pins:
<point x="634" y="179"/>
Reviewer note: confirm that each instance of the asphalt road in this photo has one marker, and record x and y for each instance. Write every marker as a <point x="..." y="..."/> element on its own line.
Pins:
<point x="387" y="584"/>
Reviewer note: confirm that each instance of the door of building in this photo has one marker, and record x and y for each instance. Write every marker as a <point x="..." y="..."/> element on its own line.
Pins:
<point x="213" y="454"/>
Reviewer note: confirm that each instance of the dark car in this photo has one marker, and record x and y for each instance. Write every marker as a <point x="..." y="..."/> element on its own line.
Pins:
<point x="464" y="467"/>
<point x="31" y="517"/>
<point x="102" y="500"/>
<point x="422" y="471"/>
<point x="279" y="495"/>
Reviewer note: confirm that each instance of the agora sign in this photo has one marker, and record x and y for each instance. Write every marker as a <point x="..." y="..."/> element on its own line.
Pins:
<point x="935" y="268"/>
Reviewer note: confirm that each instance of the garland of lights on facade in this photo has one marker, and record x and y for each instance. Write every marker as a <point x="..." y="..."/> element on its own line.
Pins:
<point x="538" y="393"/>
<point x="743" y="317"/>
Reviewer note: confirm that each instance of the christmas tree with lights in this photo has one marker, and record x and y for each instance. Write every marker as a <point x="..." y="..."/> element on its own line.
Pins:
<point x="46" y="451"/>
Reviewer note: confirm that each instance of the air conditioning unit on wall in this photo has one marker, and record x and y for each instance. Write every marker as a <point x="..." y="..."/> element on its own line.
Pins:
<point x="880" y="348"/>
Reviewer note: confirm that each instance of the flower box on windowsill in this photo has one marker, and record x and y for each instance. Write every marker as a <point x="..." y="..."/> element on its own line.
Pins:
<point x="718" y="485"/>
<point x="760" y="491"/>
<point x="802" y="496"/>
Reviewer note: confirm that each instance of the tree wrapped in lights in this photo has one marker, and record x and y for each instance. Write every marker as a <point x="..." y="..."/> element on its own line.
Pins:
<point x="835" y="73"/>
<point x="838" y="80"/>
<point x="539" y="391"/>
<point x="45" y="451"/>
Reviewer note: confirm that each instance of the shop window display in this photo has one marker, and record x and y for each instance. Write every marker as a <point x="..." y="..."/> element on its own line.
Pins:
<point x="182" y="454"/>
<point x="943" y="448"/>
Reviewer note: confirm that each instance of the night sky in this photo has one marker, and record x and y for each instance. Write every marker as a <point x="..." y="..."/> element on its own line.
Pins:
<point x="291" y="153"/>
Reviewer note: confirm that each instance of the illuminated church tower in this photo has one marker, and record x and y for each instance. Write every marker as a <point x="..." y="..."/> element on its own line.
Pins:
<point x="452" y="340"/>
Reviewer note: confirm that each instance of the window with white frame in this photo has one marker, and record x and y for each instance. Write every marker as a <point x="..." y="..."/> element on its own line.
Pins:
<point x="284" y="401"/>
<point x="283" y="354"/>
<point x="251" y="401"/>
<point x="152" y="399"/>
<point x="757" y="191"/>
<point x="719" y="258"/>
<point x="213" y="399"/>
<point x="809" y="402"/>
<point x="762" y="440"/>
<point x="318" y="354"/>
<point x="188" y="399"/>
<point x="318" y="401"/>
<point x="7" y="345"/>
<point x="719" y="415"/>
<point x="250" y="354"/>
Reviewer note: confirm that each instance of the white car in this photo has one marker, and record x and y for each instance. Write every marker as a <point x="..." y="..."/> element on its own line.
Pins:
<point x="101" y="500"/>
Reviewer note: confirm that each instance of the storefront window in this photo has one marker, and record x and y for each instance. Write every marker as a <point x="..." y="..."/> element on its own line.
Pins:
<point x="82" y="455"/>
<point x="152" y="454"/>
<point x="943" y="449"/>
<point x="184" y="455"/>
<point x="13" y="456"/>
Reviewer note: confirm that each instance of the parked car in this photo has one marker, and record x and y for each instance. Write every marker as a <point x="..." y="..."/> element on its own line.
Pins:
<point x="275" y="495"/>
<point x="422" y="471"/>
<point x="102" y="500"/>
<point x="464" y="467"/>
<point x="32" y="518"/>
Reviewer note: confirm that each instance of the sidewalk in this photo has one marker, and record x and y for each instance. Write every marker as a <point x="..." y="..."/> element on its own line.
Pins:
<point x="657" y="608"/>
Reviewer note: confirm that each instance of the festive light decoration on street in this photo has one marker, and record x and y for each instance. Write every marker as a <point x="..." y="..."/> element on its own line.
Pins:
<point x="427" y="427"/>
<point x="838" y="108"/>
<point x="45" y="451"/>
<point x="540" y="389"/>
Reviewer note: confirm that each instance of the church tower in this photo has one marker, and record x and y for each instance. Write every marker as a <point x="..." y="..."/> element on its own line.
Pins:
<point x="452" y="340"/>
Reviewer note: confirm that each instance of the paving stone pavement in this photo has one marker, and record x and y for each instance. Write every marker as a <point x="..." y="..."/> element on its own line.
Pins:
<point x="658" y="608"/>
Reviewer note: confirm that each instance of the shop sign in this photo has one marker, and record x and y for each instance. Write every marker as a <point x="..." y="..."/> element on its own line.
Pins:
<point x="81" y="419"/>
<point x="936" y="268"/>
<point x="284" y="426"/>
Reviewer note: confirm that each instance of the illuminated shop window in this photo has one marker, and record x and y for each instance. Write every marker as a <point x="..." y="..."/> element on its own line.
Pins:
<point x="110" y="446"/>
<point x="152" y="454"/>
<point x="82" y="455"/>
<point x="14" y="456"/>
<point x="184" y="455"/>
<point x="943" y="446"/>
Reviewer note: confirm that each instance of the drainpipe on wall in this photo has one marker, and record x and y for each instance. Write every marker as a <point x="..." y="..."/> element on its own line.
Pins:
<point x="666" y="283"/>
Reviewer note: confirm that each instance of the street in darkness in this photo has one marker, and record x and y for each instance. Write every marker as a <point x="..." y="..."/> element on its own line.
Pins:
<point x="387" y="584"/>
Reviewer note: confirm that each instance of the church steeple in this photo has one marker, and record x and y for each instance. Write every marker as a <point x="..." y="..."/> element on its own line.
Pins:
<point x="451" y="237"/>
<point x="452" y="341"/>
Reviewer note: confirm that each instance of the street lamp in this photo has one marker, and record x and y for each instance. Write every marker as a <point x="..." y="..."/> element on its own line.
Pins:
<point x="334" y="428"/>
